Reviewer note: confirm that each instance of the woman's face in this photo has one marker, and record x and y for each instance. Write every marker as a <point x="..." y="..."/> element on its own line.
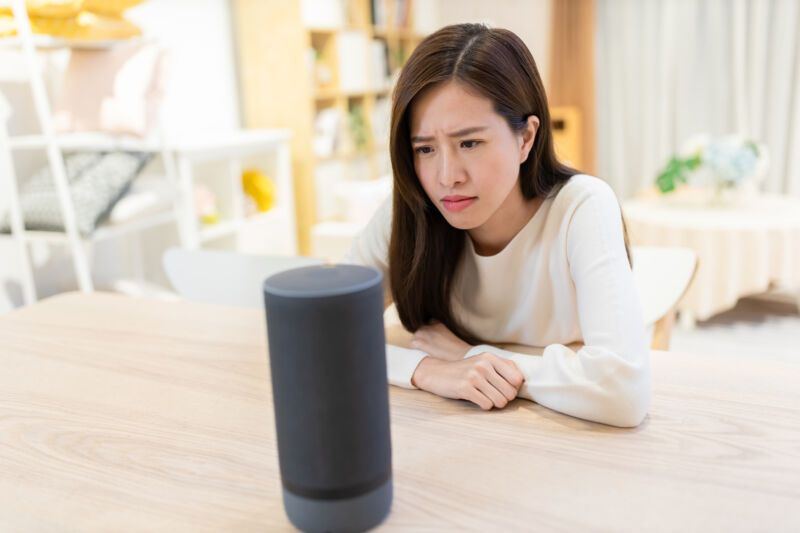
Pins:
<point x="466" y="156"/>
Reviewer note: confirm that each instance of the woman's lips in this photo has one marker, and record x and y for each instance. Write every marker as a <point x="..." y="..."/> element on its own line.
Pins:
<point x="458" y="203"/>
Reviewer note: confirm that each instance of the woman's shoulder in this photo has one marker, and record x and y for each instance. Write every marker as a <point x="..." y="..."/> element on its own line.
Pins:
<point x="577" y="191"/>
<point x="370" y="246"/>
<point x="379" y="227"/>
<point x="581" y="186"/>
<point x="382" y="218"/>
<point x="581" y="192"/>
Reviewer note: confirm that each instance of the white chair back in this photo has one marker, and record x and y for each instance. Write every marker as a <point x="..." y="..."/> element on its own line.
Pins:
<point x="227" y="278"/>
<point x="662" y="276"/>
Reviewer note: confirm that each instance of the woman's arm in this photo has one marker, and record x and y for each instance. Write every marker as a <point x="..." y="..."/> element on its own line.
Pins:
<point x="608" y="380"/>
<point x="593" y="383"/>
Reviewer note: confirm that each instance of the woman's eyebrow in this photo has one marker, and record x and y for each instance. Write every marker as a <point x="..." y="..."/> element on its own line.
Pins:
<point x="460" y="133"/>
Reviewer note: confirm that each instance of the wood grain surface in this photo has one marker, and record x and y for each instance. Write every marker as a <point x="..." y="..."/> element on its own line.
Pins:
<point x="119" y="414"/>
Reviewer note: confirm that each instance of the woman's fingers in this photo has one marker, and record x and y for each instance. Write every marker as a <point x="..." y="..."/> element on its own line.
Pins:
<point x="505" y="388"/>
<point x="510" y="372"/>
<point x="483" y="377"/>
<point x="496" y="379"/>
<point x="491" y="392"/>
<point x="479" y="399"/>
<point x="485" y="380"/>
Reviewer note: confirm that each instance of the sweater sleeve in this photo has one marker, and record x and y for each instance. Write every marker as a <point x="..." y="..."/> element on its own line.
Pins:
<point x="608" y="380"/>
<point x="371" y="248"/>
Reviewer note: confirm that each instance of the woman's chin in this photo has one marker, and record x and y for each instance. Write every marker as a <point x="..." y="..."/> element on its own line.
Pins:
<point x="461" y="221"/>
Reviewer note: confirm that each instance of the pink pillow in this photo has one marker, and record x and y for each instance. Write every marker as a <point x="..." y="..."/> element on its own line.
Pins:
<point x="114" y="90"/>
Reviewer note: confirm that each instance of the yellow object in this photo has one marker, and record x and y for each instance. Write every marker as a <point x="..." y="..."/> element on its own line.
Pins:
<point x="210" y="219"/>
<point x="82" y="20"/>
<point x="87" y="27"/>
<point x="110" y="7"/>
<point x="7" y="26"/>
<point x="260" y="188"/>
<point x="565" y="122"/>
<point x="65" y="27"/>
<point x="54" y="9"/>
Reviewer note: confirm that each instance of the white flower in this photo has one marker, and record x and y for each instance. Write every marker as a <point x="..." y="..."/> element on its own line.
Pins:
<point x="730" y="159"/>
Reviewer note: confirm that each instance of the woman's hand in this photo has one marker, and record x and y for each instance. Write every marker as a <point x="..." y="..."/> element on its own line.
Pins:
<point x="485" y="379"/>
<point x="436" y="340"/>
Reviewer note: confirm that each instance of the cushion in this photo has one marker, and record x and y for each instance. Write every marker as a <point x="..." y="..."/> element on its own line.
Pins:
<point x="96" y="182"/>
<point x="145" y="197"/>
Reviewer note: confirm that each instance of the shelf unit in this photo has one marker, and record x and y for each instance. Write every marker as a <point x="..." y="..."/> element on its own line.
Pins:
<point x="52" y="146"/>
<point x="217" y="159"/>
<point x="292" y="69"/>
<point x="217" y="162"/>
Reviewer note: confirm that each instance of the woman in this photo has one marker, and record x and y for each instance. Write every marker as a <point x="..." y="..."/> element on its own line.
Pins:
<point x="489" y="238"/>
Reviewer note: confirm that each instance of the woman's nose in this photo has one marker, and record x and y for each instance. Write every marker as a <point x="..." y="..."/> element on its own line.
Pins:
<point x="450" y="172"/>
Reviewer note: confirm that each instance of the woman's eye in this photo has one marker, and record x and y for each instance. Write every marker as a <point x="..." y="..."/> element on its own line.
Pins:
<point x="423" y="149"/>
<point x="469" y="144"/>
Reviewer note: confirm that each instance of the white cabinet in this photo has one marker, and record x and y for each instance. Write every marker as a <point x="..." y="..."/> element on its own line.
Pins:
<point x="217" y="162"/>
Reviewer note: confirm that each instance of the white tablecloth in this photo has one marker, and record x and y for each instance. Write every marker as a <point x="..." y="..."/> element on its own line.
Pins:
<point x="743" y="249"/>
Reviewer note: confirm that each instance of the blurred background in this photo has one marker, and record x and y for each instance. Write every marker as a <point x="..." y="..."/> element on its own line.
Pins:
<point x="128" y="127"/>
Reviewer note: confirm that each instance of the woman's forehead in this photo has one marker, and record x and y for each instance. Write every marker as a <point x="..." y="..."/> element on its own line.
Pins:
<point x="448" y="108"/>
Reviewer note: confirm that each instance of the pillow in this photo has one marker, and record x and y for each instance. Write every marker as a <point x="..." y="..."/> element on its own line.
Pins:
<point x="123" y="96"/>
<point x="145" y="197"/>
<point x="96" y="182"/>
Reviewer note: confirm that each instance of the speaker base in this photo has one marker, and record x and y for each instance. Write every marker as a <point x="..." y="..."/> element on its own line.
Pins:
<point x="350" y="515"/>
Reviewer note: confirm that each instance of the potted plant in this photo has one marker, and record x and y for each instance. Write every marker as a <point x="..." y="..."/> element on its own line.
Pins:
<point x="716" y="170"/>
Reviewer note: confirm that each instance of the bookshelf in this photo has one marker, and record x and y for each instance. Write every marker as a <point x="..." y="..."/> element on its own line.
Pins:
<point x="325" y="69"/>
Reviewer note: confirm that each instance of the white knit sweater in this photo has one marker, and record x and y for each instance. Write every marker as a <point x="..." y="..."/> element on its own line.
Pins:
<point x="563" y="278"/>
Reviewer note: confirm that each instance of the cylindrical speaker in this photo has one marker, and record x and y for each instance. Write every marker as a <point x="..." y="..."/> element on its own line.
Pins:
<point x="327" y="354"/>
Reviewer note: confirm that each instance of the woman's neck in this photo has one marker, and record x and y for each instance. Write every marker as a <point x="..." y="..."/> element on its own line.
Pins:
<point x="493" y="236"/>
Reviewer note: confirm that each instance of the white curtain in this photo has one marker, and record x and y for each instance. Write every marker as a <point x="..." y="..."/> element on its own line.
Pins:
<point x="667" y="70"/>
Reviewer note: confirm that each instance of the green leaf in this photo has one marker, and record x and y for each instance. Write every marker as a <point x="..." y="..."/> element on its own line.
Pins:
<point x="693" y="162"/>
<point x="666" y="181"/>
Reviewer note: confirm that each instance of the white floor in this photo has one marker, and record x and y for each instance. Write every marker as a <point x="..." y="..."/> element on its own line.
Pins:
<point x="756" y="329"/>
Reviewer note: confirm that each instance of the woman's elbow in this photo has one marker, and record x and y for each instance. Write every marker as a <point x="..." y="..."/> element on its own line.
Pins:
<point x="631" y="413"/>
<point x="632" y="401"/>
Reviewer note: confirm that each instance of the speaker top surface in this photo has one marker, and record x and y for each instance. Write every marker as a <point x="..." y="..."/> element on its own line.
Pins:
<point x="322" y="280"/>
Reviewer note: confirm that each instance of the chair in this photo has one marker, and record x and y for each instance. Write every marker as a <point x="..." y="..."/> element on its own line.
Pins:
<point x="227" y="278"/>
<point x="662" y="276"/>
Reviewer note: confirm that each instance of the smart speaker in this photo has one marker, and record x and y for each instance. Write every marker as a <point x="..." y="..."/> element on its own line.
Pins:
<point x="328" y="364"/>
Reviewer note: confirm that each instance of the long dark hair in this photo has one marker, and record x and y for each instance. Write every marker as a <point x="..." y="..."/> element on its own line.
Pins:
<point x="425" y="249"/>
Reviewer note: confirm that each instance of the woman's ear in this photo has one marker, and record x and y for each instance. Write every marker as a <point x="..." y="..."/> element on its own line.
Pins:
<point x="528" y="136"/>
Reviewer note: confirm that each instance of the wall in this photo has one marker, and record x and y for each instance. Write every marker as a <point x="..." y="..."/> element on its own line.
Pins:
<point x="530" y="19"/>
<point x="203" y="91"/>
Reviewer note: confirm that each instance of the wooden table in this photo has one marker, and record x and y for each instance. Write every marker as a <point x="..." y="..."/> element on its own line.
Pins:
<point x="119" y="414"/>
